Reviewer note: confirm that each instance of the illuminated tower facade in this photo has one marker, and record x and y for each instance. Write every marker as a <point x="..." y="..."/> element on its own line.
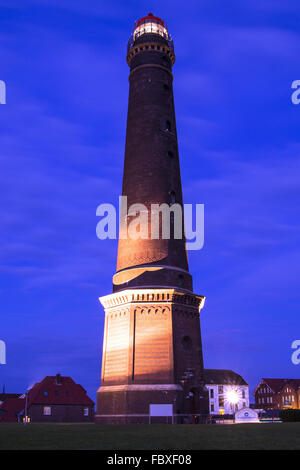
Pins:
<point x="152" y="352"/>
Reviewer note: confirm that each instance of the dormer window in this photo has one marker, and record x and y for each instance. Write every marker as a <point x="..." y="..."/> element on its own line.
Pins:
<point x="58" y="380"/>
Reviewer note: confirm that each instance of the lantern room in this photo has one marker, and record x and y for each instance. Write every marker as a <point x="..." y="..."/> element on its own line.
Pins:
<point x="150" y="24"/>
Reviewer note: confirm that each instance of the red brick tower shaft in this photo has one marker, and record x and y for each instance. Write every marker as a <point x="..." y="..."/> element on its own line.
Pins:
<point x="151" y="168"/>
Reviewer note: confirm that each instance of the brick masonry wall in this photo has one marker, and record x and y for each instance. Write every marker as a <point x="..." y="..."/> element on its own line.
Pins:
<point x="61" y="414"/>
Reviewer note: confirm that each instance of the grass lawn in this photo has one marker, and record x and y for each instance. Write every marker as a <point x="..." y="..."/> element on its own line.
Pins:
<point x="154" y="437"/>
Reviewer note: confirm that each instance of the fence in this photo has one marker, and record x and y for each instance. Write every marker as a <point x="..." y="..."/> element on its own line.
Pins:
<point x="175" y="419"/>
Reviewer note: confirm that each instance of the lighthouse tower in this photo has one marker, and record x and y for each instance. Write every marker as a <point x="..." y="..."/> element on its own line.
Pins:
<point x="152" y="352"/>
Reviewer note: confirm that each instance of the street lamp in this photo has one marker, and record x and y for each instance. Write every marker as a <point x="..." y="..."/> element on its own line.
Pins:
<point x="232" y="396"/>
<point x="26" y="418"/>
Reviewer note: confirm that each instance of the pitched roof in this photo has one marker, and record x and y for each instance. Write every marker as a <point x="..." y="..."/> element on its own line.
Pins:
<point x="10" y="408"/>
<point x="295" y="383"/>
<point x="58" y="390"/>
<point x="5" y="396"/>
<point x="223" y="377"/>
<point x="274" y="384"/>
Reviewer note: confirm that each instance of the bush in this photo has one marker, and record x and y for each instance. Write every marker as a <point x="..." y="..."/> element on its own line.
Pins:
<point x="290" y="415"/>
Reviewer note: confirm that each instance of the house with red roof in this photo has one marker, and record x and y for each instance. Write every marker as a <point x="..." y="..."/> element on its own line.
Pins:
<point x="11" y="410"/>
<point x="289" y="395"/>
<point x="277" y="394"/>
<point x="4" y="396"/>
<point x="56" y="399"/>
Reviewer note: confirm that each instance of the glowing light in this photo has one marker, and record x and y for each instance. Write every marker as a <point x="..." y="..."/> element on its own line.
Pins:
<point x="232" y="396"/>
<point x="150" y="27"/>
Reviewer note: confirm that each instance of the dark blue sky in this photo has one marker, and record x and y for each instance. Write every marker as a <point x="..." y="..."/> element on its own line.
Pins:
<point x="61" y="155"/>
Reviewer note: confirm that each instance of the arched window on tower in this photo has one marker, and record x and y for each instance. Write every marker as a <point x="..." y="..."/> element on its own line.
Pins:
<point x="168" y="126"/>
<point x="172" y="197"/>
<point x="165" y="60"/>
<point x="180" y="280"/>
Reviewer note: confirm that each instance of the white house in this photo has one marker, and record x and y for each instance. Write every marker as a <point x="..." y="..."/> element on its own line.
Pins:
<point x="228" y="391"/>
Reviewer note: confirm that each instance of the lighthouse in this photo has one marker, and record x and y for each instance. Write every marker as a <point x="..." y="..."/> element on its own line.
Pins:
<point x="152" y="349"/>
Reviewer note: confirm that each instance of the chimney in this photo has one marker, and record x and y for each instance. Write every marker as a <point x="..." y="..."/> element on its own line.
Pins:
<point x="58" y="379"/>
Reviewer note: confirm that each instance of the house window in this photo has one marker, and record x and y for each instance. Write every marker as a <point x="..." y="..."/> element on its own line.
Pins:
<point x="243" y="394"/>
<point x="221" y="402"/>
<point x="45" y="393"/>
<point x="47" y="411"/>
<point x="212" y="407"/>
<point x="85" y="411"/>
<point x="271" y="399"/>
<point x="56" y="393"/>
<point x="68" y="394"/>
<point x="211" y="393"/>
<point x="244" y="404"/>
<point x="220" y="389"/>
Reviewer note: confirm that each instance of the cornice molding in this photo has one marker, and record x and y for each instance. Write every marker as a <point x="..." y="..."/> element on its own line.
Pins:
<point x="153" y="296"/>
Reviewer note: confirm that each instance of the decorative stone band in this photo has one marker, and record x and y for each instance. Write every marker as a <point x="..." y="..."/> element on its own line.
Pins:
<point x="150" y="65"/>
<point x="132" y="296"/>
<point x="140" y="388"/>
<point x="130" y="273"/>
<point x="150" y="46"/>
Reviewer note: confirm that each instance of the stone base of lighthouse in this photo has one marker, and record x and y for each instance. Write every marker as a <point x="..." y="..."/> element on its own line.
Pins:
<point x="152" y="354"/>
<point x="129" y="404"/>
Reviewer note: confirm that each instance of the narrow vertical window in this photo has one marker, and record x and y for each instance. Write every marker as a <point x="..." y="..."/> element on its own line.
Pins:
<point x="172" y="197"/>
<point x="168" y="126"/>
